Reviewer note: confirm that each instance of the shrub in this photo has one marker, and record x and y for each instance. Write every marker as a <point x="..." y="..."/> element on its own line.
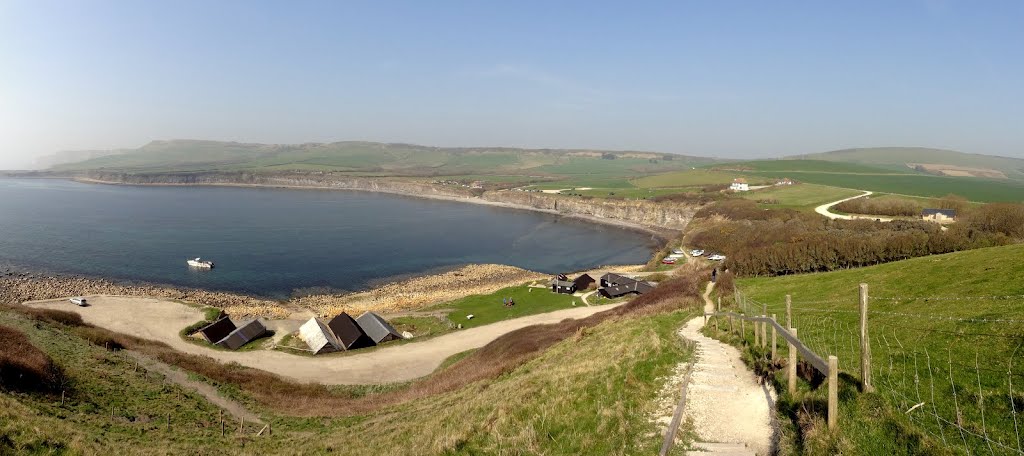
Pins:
<point x="23" y="367"/>
<point x="54" y="316"/>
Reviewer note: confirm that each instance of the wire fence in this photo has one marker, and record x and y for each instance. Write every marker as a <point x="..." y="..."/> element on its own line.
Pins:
<point x="948" y="364"/>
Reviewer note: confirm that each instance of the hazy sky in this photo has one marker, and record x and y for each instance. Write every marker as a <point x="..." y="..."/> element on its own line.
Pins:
<point x="706" y="78"/>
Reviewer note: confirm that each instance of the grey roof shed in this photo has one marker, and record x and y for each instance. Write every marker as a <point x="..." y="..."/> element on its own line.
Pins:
<point x="243" y="335"/>
<point x="377" y="328"/>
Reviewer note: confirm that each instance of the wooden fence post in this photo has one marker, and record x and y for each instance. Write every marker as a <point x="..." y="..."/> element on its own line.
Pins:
<point x="774" y="339"/>
<point x="715" y="319"/>
<point x="743" y="330"/>
<point x="791" y="367"/>
<point x="865" y="343"/>
<point x="833" y="391"/>
<point x="732" y="329"/>
<point x="789" y="311"/>
<point x="757" y="334"/>
<point x="719" y="304"/>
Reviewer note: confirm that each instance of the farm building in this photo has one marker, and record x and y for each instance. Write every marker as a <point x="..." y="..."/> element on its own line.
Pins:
<point x="218" y="330"/>
<point x="562" y="284"/>
<point x="377" y="328"/>
<point x="319" y="337"/>
<point x="739" y="184"/>
<point x="584" y="281"/>
<point x="611" y="279"/>
<point x="348" y="332"/>
<point x="784" y="181"/>
<point x="939" y="215"/>
<point x="243" y="335"/>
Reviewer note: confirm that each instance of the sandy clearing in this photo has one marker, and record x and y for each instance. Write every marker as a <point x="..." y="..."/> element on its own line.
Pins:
<point x="160" y="320"/>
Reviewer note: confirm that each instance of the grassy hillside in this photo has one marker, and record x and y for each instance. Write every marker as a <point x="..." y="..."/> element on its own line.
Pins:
<point x="898" y="157"/>
<point x="806" y="166"/>
<point x="592" y="393"/>
<point x="800" y="196"/>
<point x="946" y="331"/>
<point x="368" y="158"/>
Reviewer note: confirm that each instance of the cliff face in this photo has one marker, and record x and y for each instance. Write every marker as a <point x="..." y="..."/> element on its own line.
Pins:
<point x="641" y="213"/>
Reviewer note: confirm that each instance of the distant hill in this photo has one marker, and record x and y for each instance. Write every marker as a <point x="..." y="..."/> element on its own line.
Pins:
<point x="372" y="158"/>
<point x="958" y="163"/>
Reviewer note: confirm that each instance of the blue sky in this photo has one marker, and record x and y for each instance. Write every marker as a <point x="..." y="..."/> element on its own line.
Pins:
<point x="725" y="78"/>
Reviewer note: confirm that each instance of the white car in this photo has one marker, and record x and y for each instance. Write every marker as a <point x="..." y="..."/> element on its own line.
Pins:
<point x="677" y="252"/>
<point x="696" y="252"/>
<point x="716" y="257"/>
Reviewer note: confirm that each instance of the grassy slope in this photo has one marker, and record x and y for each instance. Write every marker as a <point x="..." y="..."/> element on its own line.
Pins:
<point x="792" y="165"/>
<point x="687" y="178"/>
<point x="590" y="394"/>
<point x="824" y="308"/>
<point x="374" y="158"/>
<point x="974" y="189"/>
<point x="570" y="400"/>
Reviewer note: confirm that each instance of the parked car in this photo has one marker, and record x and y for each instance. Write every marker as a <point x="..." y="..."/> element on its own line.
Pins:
<point x="677" y="251"/>
<point x="696" y="252"/>
<point x="716" y="257"/>
<point x="669" y="261"/>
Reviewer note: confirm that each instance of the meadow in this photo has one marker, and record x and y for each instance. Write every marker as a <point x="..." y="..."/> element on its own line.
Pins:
<point x="974" y="189"/>
<point x="945" y="335"/>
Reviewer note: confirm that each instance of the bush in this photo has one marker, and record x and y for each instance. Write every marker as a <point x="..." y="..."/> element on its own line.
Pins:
<point x="890" y="207"/>
<point x="23" y="367"/>
<point x="53" y="316"/>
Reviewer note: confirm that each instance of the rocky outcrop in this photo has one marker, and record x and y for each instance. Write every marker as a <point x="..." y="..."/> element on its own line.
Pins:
<point x="636" y="213"/>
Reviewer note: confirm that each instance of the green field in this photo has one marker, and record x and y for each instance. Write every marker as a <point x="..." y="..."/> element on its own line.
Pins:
<point x="687" y="178"/>
<point x="974" y="189"/>
<point x="799" y="196"/>
<point x="488" y="308"/>
<point x="945" y="331"/>
<point x="896" y="158"/>
<point x="792" y="165"/>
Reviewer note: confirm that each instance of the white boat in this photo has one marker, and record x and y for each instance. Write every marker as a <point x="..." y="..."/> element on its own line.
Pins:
<point x="78" y="301"/>
<point x="200" y="263"/>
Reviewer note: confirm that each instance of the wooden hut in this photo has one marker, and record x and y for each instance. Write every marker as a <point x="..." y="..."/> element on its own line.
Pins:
<point x="348" y="332"/>
<point x="218" y="330"/>
<point x="318" y="337"/>
<point x="243" y="335"/>
<point x="377" y="328"/>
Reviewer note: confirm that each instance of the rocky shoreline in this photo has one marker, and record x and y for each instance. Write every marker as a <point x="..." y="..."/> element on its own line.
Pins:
<point x="408" y="294"/>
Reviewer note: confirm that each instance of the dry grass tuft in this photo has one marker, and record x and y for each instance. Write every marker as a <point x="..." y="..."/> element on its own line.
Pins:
<point x="24" y="367"/>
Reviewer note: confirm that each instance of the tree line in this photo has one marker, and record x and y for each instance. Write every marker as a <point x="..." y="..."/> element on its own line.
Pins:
<point x="759" y="242"/>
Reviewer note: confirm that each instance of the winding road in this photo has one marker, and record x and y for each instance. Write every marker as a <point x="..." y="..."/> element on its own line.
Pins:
<point x="824" y="210"/>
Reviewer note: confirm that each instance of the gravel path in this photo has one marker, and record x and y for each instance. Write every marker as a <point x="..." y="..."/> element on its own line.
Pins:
<point x="160" y="320"/>
<point x="824" y="210"/>
<point x="726" y="404"/>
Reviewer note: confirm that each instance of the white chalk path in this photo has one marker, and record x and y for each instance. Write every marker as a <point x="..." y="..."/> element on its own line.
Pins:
<point x="731" y="412"/>
<point x="824" y="210"/>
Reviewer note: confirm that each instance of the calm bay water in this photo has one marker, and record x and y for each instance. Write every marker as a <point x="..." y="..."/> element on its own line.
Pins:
<point x="271" y="241"/>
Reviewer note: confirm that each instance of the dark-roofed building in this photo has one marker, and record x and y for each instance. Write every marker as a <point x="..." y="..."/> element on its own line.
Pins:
<point x="243" y="335"/>
<point x="218" y="330"/>
<point x="583" y="282"/>
<point x="348" y="332"/>
<point x="319" y="337"/>
<point x="612" y="279"/>
<point x="377" y="328"/>
<point x="938" y="215"/>
<point x="562" y="286"/>
<point x="614" y="285"/>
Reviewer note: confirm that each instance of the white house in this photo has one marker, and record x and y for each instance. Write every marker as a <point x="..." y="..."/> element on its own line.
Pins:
<point x="739" y="185"/>
<point x="784" y="181"/>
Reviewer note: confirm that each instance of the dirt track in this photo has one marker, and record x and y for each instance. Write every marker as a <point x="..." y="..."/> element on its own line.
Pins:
<point x="160" y="320"/>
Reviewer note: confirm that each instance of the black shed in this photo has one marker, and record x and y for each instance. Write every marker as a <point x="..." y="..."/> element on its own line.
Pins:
<point x="218" y="330"/>
<point x="583" y="282"/>
<point x="243" y="335"/>
<point x="349" y="333"/>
